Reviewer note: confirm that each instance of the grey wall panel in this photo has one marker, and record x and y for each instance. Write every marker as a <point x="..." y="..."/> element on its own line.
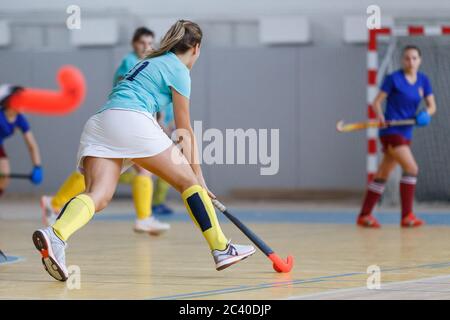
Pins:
<point x="332" y="87"/>
<point x="57" y="36"/>
<point x="15" y="67"/>
<point x="217" y="34"/>
<point x="27" y="37"/>
<point x="199" y="103"/>
<point x="254" y="89"/>
<point x="246" y="34"/>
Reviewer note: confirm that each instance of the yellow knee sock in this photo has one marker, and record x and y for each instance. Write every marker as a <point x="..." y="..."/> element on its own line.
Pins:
<point x="142" y="189"/>
<point x="74" y="215"/>
<point x="128" y="176"/>
<point x="162" y="187"/>
<point x="73" y="186"/>
<point x="201" y="209"/>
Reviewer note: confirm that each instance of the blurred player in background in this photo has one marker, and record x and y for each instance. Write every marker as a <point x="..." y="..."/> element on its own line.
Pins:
<point x="142" y="43"/>
<point x="165" y="119"/>
<point x="11" y="121"/>
<point x="403" y="90"/>
<point x="140" y="179"/>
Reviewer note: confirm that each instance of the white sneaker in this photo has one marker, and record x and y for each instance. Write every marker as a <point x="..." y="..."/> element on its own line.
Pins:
<point x="232" y="254"/>
<point x="52" y="250"/>
<point x="49" y="215"/>
<point x="151" y="225"/>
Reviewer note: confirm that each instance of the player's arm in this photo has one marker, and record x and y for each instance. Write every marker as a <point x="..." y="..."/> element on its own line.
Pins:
<point x="430" y="102"/>
<point x="377" y="105"/>
<point x="37" y="174"/>
<point x="33" y="148"/>
<point x="186" y="135"/>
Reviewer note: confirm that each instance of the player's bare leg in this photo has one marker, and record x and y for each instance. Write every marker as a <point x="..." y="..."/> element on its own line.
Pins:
<point x="173" y="167"/>
<point x="4" y="170"/>
<point x="101" y="177"/>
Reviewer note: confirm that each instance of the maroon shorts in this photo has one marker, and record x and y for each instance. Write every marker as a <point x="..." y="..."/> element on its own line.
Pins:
<point x="393" y="140"/>
<point x="2" y="152"/>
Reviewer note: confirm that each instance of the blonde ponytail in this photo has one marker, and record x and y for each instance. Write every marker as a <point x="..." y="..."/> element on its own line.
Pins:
<point x="181" y="36"/>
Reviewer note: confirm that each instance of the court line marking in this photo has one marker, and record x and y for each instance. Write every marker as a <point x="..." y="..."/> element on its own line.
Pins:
<point x="384" y="288"/>
<point x="15" y="259"/>
<point x="287" y="283"/>
<point x="307" y="217"/>
<point x="244" y="288"/>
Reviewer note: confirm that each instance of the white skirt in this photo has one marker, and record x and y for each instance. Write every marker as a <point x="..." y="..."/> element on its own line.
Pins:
<point x="122" y="134"/>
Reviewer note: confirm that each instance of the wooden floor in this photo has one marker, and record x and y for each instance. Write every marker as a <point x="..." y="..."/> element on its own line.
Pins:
<point x="331" y="260"/>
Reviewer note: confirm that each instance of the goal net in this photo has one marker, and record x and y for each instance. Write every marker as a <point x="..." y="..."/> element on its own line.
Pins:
<point x="431" y="145"/>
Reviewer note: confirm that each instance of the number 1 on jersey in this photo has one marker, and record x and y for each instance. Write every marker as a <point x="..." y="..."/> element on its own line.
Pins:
<point x="139" y="69"/>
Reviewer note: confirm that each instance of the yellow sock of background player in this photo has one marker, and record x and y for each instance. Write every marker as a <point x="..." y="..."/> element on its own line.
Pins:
<point x="142" y="189"/>
<point x="81" y="209"/>
<point x="128" y="176"/>
<point x="201" y="210"/>
<point x="76" y="213"/>
<point x="74" y="185"/>
<point x="161" y="190"/>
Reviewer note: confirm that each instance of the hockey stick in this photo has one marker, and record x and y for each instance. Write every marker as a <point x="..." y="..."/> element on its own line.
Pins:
<point x="15" y="176"/>
<point x="348" y="127"/>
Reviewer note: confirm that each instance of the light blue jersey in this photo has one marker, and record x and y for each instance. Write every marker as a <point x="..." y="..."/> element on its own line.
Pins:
<point x="168" y="114"/>
<point x="147" y="86"/>
<point x="128" y="62"/>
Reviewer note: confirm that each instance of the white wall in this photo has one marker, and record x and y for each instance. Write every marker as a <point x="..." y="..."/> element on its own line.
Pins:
<point x="242" y="8"/>
<point x="326" y="16"/>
